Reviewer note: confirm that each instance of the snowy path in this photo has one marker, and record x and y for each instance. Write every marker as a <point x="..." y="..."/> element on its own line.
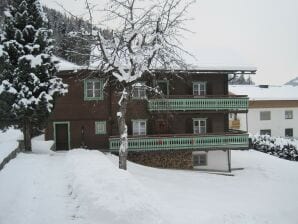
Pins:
<point x="77" y="187"/>
<point x="37" y="192"/>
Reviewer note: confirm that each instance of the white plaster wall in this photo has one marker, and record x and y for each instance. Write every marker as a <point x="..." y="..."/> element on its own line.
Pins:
<point x="216" y="160"/>
<point x="277" y="124"/>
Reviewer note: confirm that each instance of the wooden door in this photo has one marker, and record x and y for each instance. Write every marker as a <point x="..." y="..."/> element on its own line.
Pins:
<point x="162" y="126"/>
<point x="61" y="131"/>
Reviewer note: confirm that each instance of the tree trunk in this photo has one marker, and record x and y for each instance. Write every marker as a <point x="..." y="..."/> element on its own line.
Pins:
<point x="27" y="135"/>
<point x="123" y="150"/>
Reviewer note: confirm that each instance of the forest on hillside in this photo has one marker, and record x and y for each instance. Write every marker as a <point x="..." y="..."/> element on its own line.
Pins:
<point x="70" y="33"/>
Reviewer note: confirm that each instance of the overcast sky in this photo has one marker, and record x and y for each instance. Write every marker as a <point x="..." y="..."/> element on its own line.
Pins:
<point x="261" y="33"/>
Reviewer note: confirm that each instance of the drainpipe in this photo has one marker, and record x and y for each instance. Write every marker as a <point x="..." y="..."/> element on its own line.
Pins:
<point x="229" y="160"/>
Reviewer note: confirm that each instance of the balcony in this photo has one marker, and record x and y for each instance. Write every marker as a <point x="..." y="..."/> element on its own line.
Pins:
<point x="230" y="140"/>
<point x="199" y="103"/>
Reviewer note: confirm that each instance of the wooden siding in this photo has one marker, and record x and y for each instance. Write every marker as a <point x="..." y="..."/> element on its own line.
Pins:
<point x="273" y="103"/>
<point x="82" y="114"/>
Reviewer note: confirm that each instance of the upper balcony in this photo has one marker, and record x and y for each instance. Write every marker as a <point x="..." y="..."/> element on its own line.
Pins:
<point x="199" y="103"/>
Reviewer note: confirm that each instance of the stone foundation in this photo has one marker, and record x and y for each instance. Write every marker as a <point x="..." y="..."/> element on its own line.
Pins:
<point x="174" y="159"/>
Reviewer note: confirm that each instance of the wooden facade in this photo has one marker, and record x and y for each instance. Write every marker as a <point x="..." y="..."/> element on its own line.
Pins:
<point x="169" y="118"/>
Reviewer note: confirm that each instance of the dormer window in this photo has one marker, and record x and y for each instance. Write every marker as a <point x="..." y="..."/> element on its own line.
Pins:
<point x="199" y="88"/>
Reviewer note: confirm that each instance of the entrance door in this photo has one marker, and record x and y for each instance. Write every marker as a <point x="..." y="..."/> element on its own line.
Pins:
<point x="61" y="136"/>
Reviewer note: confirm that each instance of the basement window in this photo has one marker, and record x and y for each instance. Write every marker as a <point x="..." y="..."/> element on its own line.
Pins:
<point x="199" y="159"/>
<point x="265" y="132"/>
<point x="289" y="132"/>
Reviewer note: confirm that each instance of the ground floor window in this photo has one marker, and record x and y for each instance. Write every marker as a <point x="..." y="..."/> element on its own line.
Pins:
<point x="199" y="159"/>
<point x="265" y="132"/>
<point x="100" y="127"/>
<point x="289" y="132"/>
<point x="199" y="125"/>
<point x="139" y="127"/>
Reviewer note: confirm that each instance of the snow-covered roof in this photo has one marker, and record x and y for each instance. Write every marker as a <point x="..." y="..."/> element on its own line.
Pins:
<point x="215" y="69"/>
<point x="64" y="65"/>
<point x="293" y="82"/>
<point x="264" y="92"/>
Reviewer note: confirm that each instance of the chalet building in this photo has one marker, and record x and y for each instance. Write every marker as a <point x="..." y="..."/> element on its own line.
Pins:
<point x="273" y="110"/>
<point x="186" y="128"/>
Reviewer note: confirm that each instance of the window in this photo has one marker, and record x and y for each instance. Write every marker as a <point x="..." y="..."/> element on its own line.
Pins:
<point x="199" y="126"/>
<point x="199" y="88"/>
<point x="288" y="114"/>
<point x="139" y="91"/>
<point x="289" y="132"/>
<point x="93" y="89"/>
<point x="163" y="86"/>
<point x="139" y="127"/>
<point x="265" y="132"/>
<point x="265" y="115"/>
<point x="100" y="127"/>
<point x="199" y="159"/>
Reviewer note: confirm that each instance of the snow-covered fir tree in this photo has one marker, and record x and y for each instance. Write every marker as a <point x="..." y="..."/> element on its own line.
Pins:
<point x="27" y="68"/>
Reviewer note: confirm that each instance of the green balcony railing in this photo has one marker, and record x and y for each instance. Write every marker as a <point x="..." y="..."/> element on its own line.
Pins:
<point x="190" y="142"/>
<point x="229" y="103"/>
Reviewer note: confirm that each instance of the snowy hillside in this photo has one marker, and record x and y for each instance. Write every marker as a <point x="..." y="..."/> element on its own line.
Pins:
<point x="86" y="187"/>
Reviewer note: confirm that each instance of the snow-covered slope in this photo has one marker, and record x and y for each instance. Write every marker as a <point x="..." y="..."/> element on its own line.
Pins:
<point x="76" y="187"/>
<point x="265" y="191"/>
<point x="85" y="187"/>
<point x="9" y="142"/>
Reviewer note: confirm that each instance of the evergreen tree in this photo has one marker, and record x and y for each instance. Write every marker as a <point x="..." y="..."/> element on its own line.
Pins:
<point x="27" y="70"/>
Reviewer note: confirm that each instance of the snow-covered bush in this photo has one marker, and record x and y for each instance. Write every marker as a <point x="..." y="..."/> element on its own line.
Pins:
<point x="280" y="147"/>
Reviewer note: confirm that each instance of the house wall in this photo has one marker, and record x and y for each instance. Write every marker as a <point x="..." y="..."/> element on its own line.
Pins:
<point x="82" y="114"/>
<point x="277" y="124"/>
<point x="217" y="160"/>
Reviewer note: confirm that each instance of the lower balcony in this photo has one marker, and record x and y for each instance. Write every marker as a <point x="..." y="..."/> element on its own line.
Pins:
<point x="229" y="140"/>
<point x="199" y="103"/>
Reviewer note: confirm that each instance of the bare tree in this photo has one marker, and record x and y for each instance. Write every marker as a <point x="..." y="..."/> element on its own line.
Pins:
<point x="145" y="36"/>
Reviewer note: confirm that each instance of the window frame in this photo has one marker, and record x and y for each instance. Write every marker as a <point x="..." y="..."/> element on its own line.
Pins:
<point x="287" y="117"/>
<point x="199" y="120"/>
<point x="199" y="160"/>
<point x="292" y="132"/>
<point x="199" y="83"/>
<point x="262" y="112"/>
<point x="265" y="130"/>
<point x="163" y="81"/>
<point x="94" y="97"/>
<point x="100" y="131"/>
<point x="139" y="89"/>
<point x="139" y="133"/>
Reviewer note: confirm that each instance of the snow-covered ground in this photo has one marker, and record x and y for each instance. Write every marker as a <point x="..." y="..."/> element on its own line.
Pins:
<point x="9" y="142"/>
<point x="86" y="187"/>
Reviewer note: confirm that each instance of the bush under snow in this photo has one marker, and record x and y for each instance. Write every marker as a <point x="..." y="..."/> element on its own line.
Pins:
<point x="280" y="147"/>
